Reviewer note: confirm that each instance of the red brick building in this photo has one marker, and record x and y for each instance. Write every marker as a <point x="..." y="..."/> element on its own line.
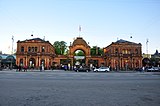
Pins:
<point x="79" y="44"/>
<point x="123" y="55"/>
<point x="34" y="53"/>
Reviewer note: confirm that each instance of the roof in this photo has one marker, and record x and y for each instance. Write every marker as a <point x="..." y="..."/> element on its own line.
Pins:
<point x="121" y="41"/>
<point x="35" y="39"/>
<point x="11" y="57"/>
<point x="156" y="53"/>
<point x="124" y="41"/>
<point x="79" y="41"/>
<point x="5" y="56"/>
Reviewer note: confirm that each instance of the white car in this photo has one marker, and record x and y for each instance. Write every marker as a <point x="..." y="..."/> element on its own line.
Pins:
<point x="102" y="69"/>
<point x="153" y="69"/>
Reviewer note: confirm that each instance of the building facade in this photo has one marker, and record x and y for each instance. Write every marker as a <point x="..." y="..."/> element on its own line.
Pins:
<point x="118" y="55"/>
<point x="72" y="60"/>
<point x="34" y="53"/>
<point x="123" y="55"/>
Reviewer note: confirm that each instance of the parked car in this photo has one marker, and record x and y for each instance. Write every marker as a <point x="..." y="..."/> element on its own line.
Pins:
<point x="102" y="69"/>
<point x="153" y="69"/>
<point x="83" y="69"/>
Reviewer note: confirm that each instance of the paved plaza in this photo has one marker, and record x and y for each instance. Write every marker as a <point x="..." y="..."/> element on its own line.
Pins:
<point x="68" y="88"/>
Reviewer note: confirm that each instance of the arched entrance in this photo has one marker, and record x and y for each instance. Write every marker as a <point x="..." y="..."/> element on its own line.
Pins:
<point x="79" y="52"/>
<point x="146" y="62"/>
<point x="32" y="63"/>
<point x="42" y="62"/>
<point x="79" y="58"/>
<point x="21" y="62"/>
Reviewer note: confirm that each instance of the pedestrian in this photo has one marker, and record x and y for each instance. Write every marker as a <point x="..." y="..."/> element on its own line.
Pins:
<point x="25" y="68"/>
<point x="65" y="67"/>
<point x="40" y="68"/>
<point x="143" y="69"/>
<point x="19" y="68"/>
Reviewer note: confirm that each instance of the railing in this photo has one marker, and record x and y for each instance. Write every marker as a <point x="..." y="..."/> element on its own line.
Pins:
<point x="122" y="55"/>
<point x="34" y="53"/>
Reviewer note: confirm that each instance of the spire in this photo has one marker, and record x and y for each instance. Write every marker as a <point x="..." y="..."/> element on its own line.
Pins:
<point x="156" y="52"/>
<point x="32" y="34"/>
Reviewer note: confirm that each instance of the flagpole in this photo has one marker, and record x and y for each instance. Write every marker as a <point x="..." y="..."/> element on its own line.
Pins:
<point x="79" y="30"/>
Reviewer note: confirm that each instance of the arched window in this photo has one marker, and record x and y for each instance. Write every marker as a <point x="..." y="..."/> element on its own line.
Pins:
<point x="136" y="51"/>
<point x="129" y="51"/>
<point x="32" y="49"/>
<point x="32" y="62"/>
<point x="123" y="51"/>
<point x="35" y="49"/>
<point x="22" y="49"/>
<point x="43" y="49"/>
<point x="116" y="51"/>
<point x="29" y="49"/>
<point x="126" y="51"/>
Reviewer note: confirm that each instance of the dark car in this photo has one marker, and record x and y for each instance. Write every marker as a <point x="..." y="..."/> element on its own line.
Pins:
<point x="83" y="69"/>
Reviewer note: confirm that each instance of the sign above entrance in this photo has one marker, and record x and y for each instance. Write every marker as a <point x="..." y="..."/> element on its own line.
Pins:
<point x="79" y="57"/>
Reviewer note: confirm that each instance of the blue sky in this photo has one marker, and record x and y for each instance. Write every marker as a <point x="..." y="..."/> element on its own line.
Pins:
<point x="102" y="21"/>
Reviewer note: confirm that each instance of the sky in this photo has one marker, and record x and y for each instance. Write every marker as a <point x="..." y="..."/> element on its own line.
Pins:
<point x="102" y="22"/>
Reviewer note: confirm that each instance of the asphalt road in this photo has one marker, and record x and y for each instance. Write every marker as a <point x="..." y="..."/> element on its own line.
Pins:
<point x="60" y="88"/>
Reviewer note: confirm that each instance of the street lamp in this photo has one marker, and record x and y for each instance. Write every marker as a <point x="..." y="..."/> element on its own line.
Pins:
<point x="12" y="51"/>
<point x="147" y="47"/>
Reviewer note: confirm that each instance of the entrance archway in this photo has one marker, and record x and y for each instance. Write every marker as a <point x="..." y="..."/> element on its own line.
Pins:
<point x="43" y="62"/>
<point x="146" y="62"/>
<point x="79" y="58"/>
<point x="32" y="63"/>
<point x="79" y="44"/>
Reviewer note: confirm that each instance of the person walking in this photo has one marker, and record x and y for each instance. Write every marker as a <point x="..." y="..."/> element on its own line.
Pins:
<point x="143" y="69"/>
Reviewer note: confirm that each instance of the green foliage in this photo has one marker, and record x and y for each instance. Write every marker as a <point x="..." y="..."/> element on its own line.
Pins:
<point x="60" y="47"/>
<point x="79" y="53"/>
<point x="155" y="61"/>
<point x="96" y="51"/>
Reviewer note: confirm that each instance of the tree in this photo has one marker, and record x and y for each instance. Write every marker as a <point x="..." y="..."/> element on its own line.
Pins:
<point x="155" y="61"/>
<point x="79" y="53"/>
<point x="96" y="51"/>
<point x="93" y="50"/>
<point x="60" y="47"/>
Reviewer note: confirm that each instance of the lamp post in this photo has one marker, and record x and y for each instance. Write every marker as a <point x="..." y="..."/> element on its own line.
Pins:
<point x="12" y="52"/>
<point x="147" y="47"/>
